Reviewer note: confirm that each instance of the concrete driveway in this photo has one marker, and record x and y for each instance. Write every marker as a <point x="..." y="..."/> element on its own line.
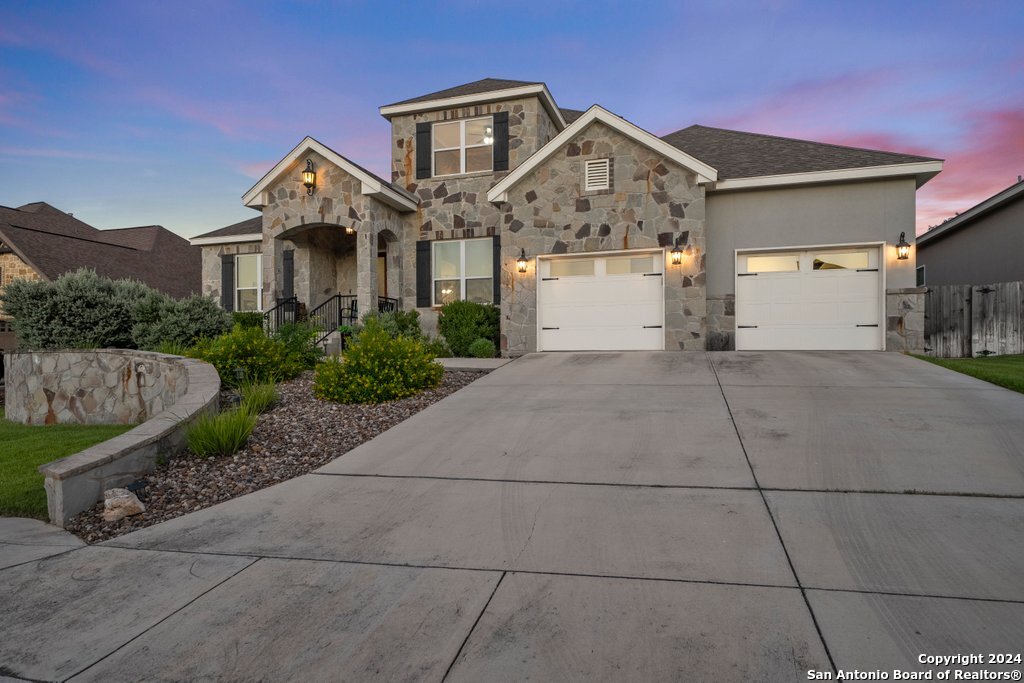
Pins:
<point x="607" y="516"/>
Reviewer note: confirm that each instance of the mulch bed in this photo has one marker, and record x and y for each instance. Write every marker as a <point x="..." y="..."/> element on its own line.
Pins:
<point x="297" y="436"/>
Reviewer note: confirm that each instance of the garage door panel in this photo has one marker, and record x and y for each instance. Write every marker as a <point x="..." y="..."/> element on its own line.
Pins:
<point x="808" y="309"/>
<point x="602" y="338"/>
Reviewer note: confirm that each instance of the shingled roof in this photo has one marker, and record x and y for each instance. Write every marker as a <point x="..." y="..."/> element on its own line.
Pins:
<point x="474" y="88"/>
<point x="571" y="115"/>
<point x="250" y="226"/>
<point x="736" y="154"/>
<point x="53" y="243"/>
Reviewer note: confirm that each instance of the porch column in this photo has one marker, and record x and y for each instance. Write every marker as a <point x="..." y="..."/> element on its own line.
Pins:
<point x="366" y="269"/>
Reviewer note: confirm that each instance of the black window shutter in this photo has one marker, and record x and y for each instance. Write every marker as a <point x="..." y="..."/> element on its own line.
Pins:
<point x="497" y="269"/>
<point x="227" y="282"/>
<point x="423" y="279"/>
<point x="422" y="150"/>
<point x="501" y="141"/>
<point x="288" y="286"/>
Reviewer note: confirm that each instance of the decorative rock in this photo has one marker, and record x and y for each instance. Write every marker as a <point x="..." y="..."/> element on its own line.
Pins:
<point x="120" y="503"/>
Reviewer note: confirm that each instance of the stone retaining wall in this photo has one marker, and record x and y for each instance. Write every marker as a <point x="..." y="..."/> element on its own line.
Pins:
<point x="169" y="393"/>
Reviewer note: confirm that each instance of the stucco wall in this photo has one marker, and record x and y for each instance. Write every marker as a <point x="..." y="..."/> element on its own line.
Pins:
<point x="988" y="250"/>
<point x="653" y="203"/>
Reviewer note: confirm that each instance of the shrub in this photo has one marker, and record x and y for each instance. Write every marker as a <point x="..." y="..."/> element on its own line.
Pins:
<point x="398" y="323"/>
<point x="258" y="397"/>
<point x="463" y="322"/>
<point x="482" y="348"/>
<point x="436" y="348"/>
<point x="377" y="368"/>
<point x="78" y="310"/>
<point x="299" y="340"/>
<point x="263" y="359"/>
<point x="221" y="434"/>
<point x="245" y="319"/>
<point x="172" y="348"/>
<point x="160" y="319"/>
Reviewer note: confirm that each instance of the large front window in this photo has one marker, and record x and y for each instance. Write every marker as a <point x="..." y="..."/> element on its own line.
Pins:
<point x="463" y="269"/>
<point x="248" y="282"/>
<point x="463" y="146"/>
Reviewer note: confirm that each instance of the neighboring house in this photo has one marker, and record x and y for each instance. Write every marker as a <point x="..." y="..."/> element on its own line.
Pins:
<point x="40" y="242"/>
<point x="983" y="245"/>
<point x="568" y="221"/>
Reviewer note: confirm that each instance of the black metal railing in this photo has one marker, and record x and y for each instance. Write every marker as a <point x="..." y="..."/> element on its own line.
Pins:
<point x="340" y="309"/>
<point x="387" y="304"/>
<point x="286" y="311"/>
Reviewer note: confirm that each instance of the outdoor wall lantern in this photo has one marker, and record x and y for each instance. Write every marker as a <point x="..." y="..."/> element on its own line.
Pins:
<point x="350" y="230"/>
<point x="489" y="135"/>
<point x="676" y="254"/>
<point x="309" y="177"/>
<point x="521" y="262"/>
<point x="903" y="248"/>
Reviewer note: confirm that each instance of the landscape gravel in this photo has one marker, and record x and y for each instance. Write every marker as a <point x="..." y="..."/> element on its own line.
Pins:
<point x="300" y="434"/>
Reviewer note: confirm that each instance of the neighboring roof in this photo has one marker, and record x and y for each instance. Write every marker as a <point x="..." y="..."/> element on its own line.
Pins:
<point x="704" y="173"/>
<point x="741" y="155"/>
<point x="249" y="230"/>
<point x="53" y="243"/>
<point x="1000" y="199"/>
<point x="474" y="88"/>
<point x="571" y="115"/>
<point x="372" y="185"/>
<point x="478" y="92"/>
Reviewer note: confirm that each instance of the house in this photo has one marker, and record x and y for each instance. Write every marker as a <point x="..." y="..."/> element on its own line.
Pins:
<point x="41" y="242"/>
<point x="982" y="245"/>
<point x="588" y="231"/>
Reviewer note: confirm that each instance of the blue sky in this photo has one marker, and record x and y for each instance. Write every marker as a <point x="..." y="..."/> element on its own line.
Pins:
<point x="134" y="113"/>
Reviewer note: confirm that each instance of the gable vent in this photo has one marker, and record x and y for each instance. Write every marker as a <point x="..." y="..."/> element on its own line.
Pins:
<point x="597" y="175"/>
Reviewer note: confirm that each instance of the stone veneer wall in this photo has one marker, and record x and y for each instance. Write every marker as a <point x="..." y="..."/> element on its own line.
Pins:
<point x="721" y="323"/>
<point x="13" y="268"/>
<point x="904" y="318"/>
<point x="212" y="264"/>
<point x="174" y="391"/>
<point x="91" y="387"/>
<point x="653" y="204"/>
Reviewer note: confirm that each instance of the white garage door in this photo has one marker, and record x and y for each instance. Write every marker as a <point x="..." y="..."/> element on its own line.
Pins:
<point x="825" y="299"/>
<point x="602" y="303"/>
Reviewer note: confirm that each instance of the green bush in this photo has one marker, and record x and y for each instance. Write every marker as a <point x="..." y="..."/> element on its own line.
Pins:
<point x="377" y="368"/>
<point x="258" y="397"/>
<point x="221" y="434"/>
<point x="482" y="348"/>
<point x="263" y="359"/>
<point x="463" y="322"/>
<point x="172" y="348"/>
<point x="398" y="323"/>
<point x="77" y="310"/>
<point x="247" y="319"/>
<point x="299" y="340"/>
<point x="436" y="348"/>
<point x="161" y="319"/>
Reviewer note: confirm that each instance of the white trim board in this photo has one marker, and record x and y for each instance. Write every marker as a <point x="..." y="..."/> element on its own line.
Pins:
<point x="705" y="173"/>
<point x="227" y="239"/>
<point x="371" y="184"/>
<point x="923" y="171"/>
<point x="458" y="101"/>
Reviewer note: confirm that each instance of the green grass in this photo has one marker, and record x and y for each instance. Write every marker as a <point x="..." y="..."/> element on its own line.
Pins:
<point x="1006" y="371"/>
<point x="24" y="448"/>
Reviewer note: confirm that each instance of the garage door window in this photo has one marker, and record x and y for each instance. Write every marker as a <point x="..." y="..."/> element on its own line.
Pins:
<point x="463" y="269"/>
<point x="773" y="263"/>
<point x="580" y="267"/>
<point x="632" y="265"/>
<point x="841" y="260"/>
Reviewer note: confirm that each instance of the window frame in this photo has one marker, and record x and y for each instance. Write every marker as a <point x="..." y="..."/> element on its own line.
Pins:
<point x="921" y="281"/>
<point x="259" y="282"/>
<point x="462" y="278"/>
<point x="434" y="149"/>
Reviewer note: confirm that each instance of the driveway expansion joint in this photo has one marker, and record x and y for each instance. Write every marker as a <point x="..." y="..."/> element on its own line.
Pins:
<point x="472" y="628"/>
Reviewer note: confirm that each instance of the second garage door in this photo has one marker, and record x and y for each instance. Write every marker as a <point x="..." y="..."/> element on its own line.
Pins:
<point x="824" y="299"/>
<point x="602" y="303"/>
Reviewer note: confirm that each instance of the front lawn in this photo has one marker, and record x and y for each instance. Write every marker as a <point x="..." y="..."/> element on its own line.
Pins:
<point x="24" y="448"/>
<point x="1006" y="371"/>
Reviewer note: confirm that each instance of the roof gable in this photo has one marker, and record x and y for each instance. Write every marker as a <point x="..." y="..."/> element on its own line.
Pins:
<point x="704" y="172"/>
<point x="372" y="185"/>
<point x="1000" y="199"/>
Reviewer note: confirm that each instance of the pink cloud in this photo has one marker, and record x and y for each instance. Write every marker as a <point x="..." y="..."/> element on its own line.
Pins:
<point x="232" y="120"/>
<point x="49" y="153"/>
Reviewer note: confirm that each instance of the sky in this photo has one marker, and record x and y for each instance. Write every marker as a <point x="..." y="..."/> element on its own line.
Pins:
<point x="140" y="113"/>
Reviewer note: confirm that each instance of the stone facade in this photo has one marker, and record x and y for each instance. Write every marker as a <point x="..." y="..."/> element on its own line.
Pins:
<point x="91" y="387"/>
<point x="904" y="318"/>
<point x="212" y="264"/>
<point x="13" y="268"/>
<point x="653" y="204"/>
<point x="721" y="323"/>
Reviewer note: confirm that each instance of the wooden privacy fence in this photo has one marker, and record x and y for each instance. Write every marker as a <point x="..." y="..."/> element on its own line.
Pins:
<point x="962" y="321"/>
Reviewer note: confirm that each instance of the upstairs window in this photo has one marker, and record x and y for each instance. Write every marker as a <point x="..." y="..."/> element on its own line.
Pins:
<point x="597" y="175"/>
<point x="463" y="146"/>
